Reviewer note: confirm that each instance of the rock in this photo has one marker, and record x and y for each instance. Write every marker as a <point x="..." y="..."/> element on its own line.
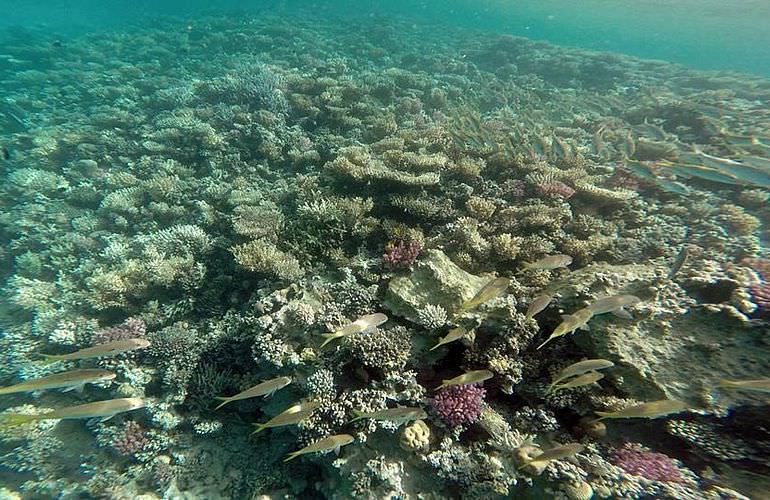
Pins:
<point x="436" y="280"/>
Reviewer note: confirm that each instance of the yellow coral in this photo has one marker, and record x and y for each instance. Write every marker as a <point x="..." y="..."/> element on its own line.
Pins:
<point x="415" y="437"/>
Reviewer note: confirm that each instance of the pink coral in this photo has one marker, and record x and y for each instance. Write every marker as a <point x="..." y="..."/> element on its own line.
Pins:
<point x="555" y="188"/>
<point x="130" y="329"/>
<point x="401" y="255"/>
<point x="132" y="439"/>
<point x="459" y="404"/>
<point x="636" y="460"/>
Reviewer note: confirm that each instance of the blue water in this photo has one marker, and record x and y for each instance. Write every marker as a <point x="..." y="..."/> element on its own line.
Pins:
<point x="707" y="34"/>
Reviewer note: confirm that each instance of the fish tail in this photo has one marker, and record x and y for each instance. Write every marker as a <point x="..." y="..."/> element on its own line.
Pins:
<point x="526" y="265"/>
<point x="602" y="415"/>
<point x="14" y="419"/>
<point x="724" y="384"/>
<point x="50" y="358"/>
<point x="292" y="456"/>
<point x="329" y="337"/>
<point x="544" y="343"/>
<point x="259" y="428"/>
<point x="224" y="401"/>
<point x="443" y="384"/>
<point x="435" y="346"/>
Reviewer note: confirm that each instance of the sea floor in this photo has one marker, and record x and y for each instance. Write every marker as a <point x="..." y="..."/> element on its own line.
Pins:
<point x="229" y="191"/>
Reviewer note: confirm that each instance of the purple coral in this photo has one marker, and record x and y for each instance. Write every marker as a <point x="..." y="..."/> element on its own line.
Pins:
<point x="401" y="255"/>
<point x="132" y="439"/>
<point x="459" y="404"/>
<point x="638" y="461"/>
<point x="555" y="188"/>
<point x="130" y="329"/>
<point x="760" y="292"/>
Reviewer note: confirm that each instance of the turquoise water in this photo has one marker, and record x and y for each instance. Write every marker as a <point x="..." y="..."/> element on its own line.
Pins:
<point x="384" y="250"/>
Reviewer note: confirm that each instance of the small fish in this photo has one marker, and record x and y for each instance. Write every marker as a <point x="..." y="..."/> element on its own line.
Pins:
<point x="472" y="377"/>
<point x="652" y="409"/>
<point x="265" y="389"/>
<point x="580" y="368"/>
<point x="292" y="415"/>
<point x="572" y="322"/>
<point x="99" y="409"/>
<point x="761" y="385"/>
<point x="399" y="414"/>
<point x="679" y="261"/>
<point x="585" y="379"/>
<point x="550" y="262"/>
<point x="454" y="334"/>
<point x="107" y="349"/>
<point x="538" y="304"/>
<point x="324" y="445"/>
<point x="71" y="380"/>
<point x="557" y="453"/>
<point x="612" y="303"/>
<point x="491" y="290"/>
<point x="362" y="324"/>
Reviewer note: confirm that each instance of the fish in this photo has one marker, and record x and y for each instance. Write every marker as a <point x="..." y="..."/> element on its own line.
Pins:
<point x="107" y="349"/>
<point x="104" y="410"/>
<point x="324" y="445"/>
<point x="491" y="290"/>
<point x="556" y="453"/>
<point x="399" y="414"/>
<point x="612" y="303"/>
<point x="538" y="304"/>
<point x="679" y="261"/>
<point x="580" y="368"/>
<point x="454" y="334"/>
<point x="472" y="377"/>
<point x="585" y="379"/>
<point x="266" y="388"/>
<point x="760" y="385"/>
<point x="71" y="380"/>
<point x="652" y="409"/>
<point x="290" y="416"/>
<point x="570" y="323"/>
<point x="550" y="262"/>
<point x="362" y="324"/>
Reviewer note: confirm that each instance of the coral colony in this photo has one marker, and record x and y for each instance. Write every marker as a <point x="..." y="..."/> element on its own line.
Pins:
<point x="309" y="228"/>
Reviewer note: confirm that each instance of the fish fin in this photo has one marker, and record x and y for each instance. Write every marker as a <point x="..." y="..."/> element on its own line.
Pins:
<point x="546" y="341"/>
<point x="292" y="456"/>
<point x="267" y="395"/>
<point x="259" y="428"/>
<point x="602" y="415"/>
<point x="443" y="384"/>
<point x="584" y="328"/>
<point x="436" y="346"/>
<point x="50" y="358"/>
<point x="622" y="313"/>
<point x="224" y="401"/>
<point x="13" y="419"/>
<point x="78" y="388"/>
<point x="104" y="419"/>
<point x="329" y="337"/>
<point x="336" y="450"/>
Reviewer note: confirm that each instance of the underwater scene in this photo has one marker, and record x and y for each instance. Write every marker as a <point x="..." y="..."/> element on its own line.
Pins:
<point x="385" y="250"/>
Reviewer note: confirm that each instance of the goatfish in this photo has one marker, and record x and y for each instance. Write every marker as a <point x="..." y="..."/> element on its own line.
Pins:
<point x="290" y="416"/>
<point x="652" y="409"/>
<point x="572" y="322"/>
<point x="99" y="409"/>
<point x="537" y="305"/>
<point x="362" y="324"/>
<point x="491" y="290"/>
<point x="108" y="349"/>
<point x="556" y="453"/>
<point x="454" y="334"/>
<point x="585" y="379"/>
<point x="613" y="304"/>
<point x="399" y="414"/>
<point x="325" y="445"/>
<point x="71" y="380"/>
<point x="580" y="368"/>
<point x="550" y="262"/>
<point x="760" y="385"/>
<point x="472" y="377"/>
<point x="265" y="389"/>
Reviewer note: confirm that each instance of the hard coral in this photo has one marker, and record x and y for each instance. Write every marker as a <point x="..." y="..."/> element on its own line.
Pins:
<point x="131" y="440"/>
<point x="459" y="404"/>
<point x="653" y="466"/>
<point x="130" y="329"/>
